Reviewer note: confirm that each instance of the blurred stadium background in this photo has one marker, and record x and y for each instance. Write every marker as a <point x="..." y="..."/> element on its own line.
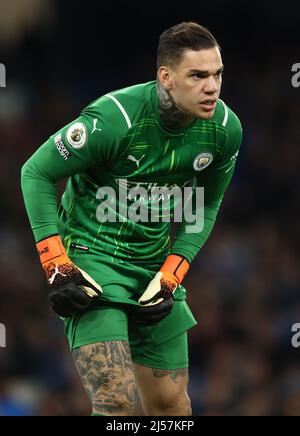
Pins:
<point x="244" y="285"/>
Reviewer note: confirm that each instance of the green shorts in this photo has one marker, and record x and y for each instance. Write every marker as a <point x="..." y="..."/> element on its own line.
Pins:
<point x="162" y="346"/>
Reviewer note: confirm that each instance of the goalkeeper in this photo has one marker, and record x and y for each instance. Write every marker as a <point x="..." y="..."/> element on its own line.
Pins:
<point x="116" y="283"/>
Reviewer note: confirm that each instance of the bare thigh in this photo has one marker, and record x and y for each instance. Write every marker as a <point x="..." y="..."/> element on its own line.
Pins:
<point x="163" y="392"/>
<point x="105" y="369"/>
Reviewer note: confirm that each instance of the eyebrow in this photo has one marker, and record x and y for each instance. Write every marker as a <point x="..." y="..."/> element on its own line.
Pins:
<point x="205" y="72"/>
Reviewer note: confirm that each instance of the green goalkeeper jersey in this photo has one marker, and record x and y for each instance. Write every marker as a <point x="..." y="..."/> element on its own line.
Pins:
<point x="116" y="147"/>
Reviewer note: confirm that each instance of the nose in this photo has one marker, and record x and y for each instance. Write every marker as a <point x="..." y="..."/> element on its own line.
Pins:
<point x="210" y="85"/>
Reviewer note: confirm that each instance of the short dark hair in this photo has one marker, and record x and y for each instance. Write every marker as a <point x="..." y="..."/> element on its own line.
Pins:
<point x="187" y="35"/>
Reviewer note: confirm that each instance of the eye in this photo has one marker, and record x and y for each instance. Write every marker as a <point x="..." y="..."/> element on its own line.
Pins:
<point x="197" y="76"/>
<point x="219" y="74"/>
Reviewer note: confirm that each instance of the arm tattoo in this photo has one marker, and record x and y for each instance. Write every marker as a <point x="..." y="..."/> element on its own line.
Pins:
<point x="106" y="372"/>
<point x="169" y="113"/>
<point x="174" y="373"/>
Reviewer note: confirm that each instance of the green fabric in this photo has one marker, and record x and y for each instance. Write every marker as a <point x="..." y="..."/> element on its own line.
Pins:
<point x="127" y="146"/>
<point x="169" y="355"/>
<point x="121" y="281"/>
<point x="162" y="346"/>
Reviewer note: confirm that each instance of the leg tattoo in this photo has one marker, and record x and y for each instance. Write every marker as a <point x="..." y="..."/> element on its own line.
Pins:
<point x="173" y="373"/>
<point x="106" y="372"/>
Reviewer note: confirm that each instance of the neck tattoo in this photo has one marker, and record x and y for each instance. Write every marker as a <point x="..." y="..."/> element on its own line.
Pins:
<point x="171" y="116"/>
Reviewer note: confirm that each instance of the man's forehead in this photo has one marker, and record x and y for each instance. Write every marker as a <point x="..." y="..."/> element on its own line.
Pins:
<point x="203" y="60"/>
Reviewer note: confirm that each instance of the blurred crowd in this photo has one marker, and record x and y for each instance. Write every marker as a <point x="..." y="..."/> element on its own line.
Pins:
<point x="243" y="287"/>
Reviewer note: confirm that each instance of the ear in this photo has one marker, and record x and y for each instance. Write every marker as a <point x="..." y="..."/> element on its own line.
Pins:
<point x="165" y="77"/>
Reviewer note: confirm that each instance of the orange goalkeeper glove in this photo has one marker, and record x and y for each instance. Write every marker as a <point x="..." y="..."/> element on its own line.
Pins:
<point x="71" y="290"/>
<point x="157" y="301"/>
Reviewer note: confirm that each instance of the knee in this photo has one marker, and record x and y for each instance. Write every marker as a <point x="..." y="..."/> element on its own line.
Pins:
<point x="113" y="406"/>
<point x="177" y="405"/>
<point x="114" y="397"/>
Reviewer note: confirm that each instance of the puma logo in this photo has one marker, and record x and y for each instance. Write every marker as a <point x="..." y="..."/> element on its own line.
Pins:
<point x="133" y="159"/>
<point x="95" y="127"/>
<point x="56" y="272"/>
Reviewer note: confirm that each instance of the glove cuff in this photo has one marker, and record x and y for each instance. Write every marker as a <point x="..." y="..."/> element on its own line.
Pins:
<point x="50" y="249"/>
<point x="176" y="265"/>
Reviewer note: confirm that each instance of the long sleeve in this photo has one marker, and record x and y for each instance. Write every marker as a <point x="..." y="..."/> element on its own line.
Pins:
<point x="89" y="140"/>
<point x="215" y="180"/>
